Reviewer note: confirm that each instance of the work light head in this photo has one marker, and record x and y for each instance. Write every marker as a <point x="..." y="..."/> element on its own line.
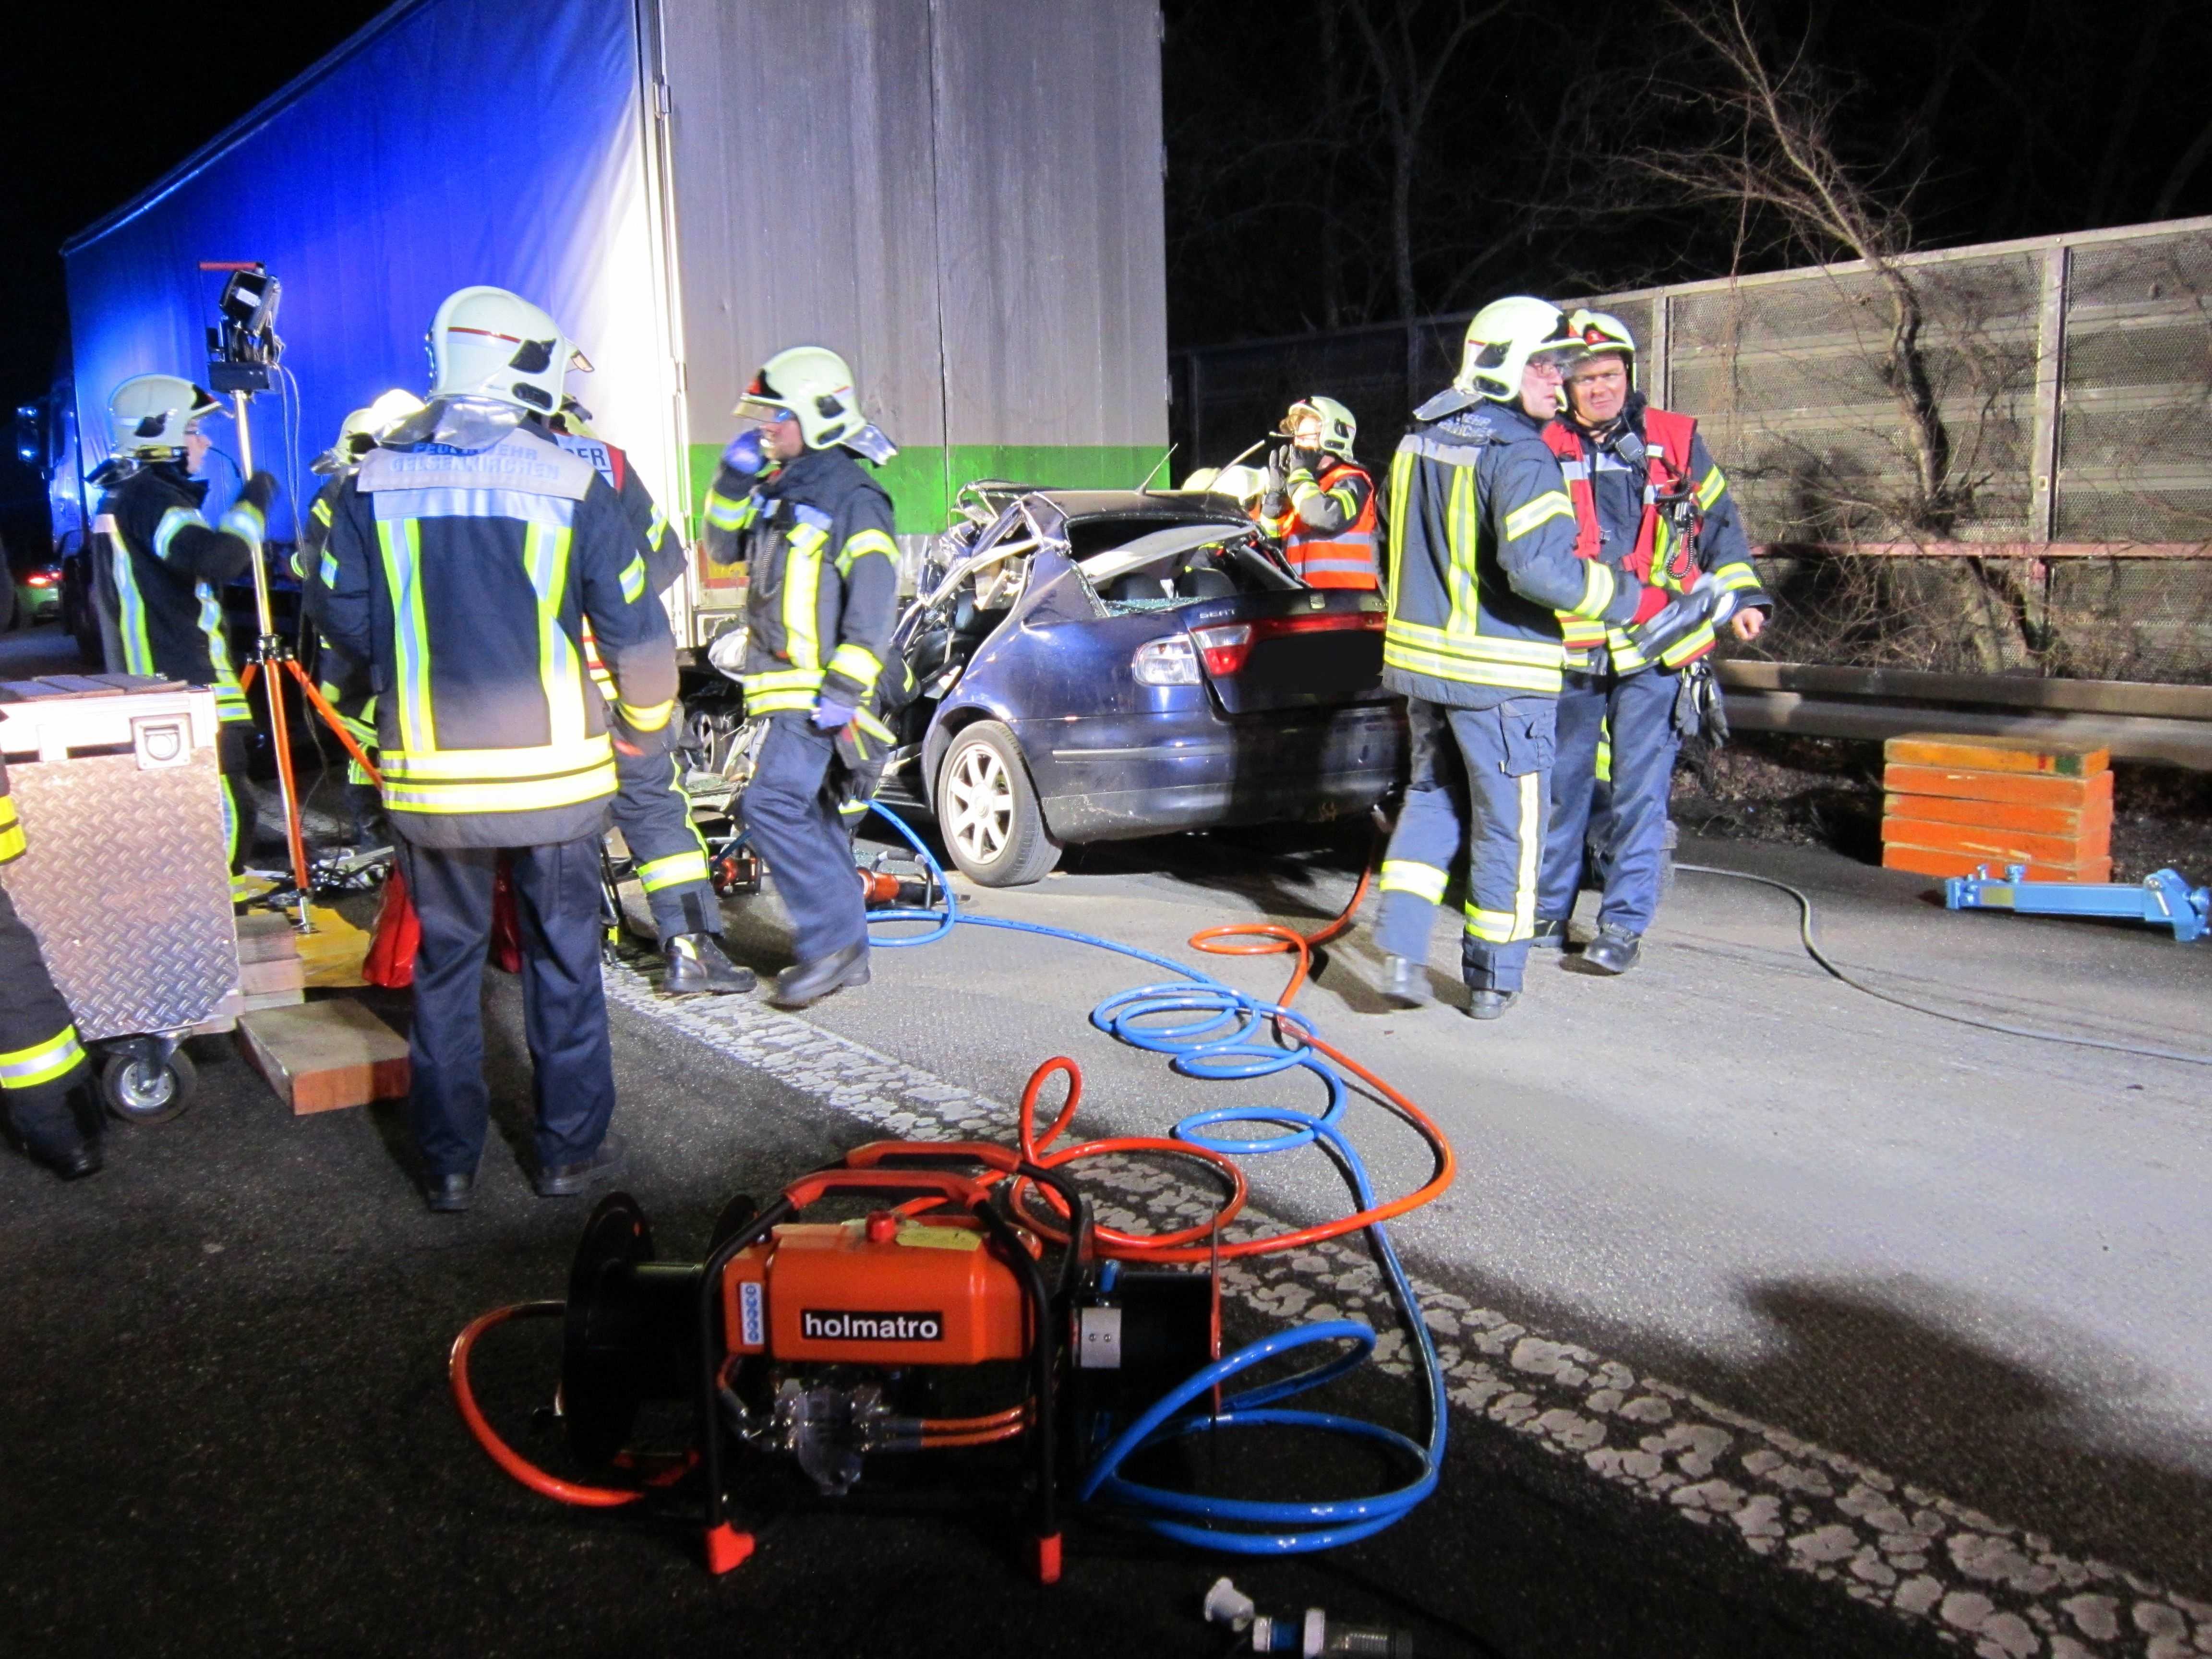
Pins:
<point x="150" y="415"/>
<point x="487" y="342"/>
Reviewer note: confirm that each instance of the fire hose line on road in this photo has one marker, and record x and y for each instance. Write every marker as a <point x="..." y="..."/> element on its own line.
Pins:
<point x="1209" y="1030"/>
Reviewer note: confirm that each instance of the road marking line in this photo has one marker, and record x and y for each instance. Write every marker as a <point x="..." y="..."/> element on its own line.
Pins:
<point x="2006" y="1591"/>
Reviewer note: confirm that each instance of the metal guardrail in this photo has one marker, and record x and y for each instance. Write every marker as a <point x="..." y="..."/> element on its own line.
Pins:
<point x="2168" y="724"/>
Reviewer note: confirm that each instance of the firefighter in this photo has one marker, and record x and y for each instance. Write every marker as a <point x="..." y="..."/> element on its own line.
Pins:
<point x="1320" y="503"/>
<point x="1650" y="504"/>
<point x="161" y="583"/>
<point x="464" y="557"/>
<point x="651" y="808"/>
<point x="344" y="680"/>
<point x="815" y="530"/>
<point x="1482" y="560"/>
<point x="41" y="1061"/>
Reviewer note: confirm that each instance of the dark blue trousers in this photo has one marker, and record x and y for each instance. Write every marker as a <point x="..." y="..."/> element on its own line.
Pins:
<point x="798" y="831"/>
<point x="1639" y="710"/>
<point x="564" y="1008"/>
<point x="654" y="816"/>
<point x="1478" y="783"/>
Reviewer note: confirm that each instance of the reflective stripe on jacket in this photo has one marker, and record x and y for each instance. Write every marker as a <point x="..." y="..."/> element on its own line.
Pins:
<point x="1482" y="558"/>
<point x="1328" y="534"/>
<point x="12" y="844"/>
<point x="464" y="580"/>
<point x="1674" y="523"/>
<point x="822" y="578"/>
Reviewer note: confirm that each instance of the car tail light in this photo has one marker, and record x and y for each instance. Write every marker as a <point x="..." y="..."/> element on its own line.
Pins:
<point x="1170" y="661"/>
<point x="46" y="578"/>
<point x="1225" y="649"/>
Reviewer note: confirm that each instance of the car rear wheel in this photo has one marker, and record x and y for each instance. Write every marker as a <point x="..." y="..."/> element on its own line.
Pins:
<point x="989" y="811"/>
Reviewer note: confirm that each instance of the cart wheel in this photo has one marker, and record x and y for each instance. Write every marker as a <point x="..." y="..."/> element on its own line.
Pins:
<point x="139" y="1091"/>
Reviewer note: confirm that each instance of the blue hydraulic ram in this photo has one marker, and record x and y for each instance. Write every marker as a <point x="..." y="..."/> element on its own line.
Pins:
<point x="2164" y="900"/>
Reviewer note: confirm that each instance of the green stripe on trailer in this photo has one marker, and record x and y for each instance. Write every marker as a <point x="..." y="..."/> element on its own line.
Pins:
<point x="921" y="481"/>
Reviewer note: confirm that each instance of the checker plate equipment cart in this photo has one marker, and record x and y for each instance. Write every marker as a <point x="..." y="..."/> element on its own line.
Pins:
<point x="2164" y="899"/>
<point x="127" y="880"/>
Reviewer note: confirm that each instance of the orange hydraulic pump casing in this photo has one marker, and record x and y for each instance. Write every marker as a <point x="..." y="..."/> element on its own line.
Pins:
<point x="888" y="1291"/>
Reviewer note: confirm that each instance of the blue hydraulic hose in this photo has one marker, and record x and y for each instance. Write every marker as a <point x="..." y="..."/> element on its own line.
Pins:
<point x="1222" y="1041"/>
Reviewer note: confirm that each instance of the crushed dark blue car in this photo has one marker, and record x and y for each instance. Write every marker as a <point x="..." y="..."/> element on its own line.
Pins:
<point x="1091" y="665"/>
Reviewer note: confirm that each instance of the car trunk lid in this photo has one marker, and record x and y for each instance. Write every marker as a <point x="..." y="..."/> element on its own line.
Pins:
<point x="1309" y="648"/>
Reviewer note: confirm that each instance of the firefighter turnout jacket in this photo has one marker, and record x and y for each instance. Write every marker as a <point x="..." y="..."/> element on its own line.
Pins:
<point x="464" y="580"/>
<point x="1482" y="561"/>
<point x="344" y="680"/>
<point x="1329" y="524"/>
<point x="162" y="576"/>
<point x="39" y="1044"/>
<point x="664" y="553"/>
<point x="1650" y="503"/>
<point x="821" y="593"/>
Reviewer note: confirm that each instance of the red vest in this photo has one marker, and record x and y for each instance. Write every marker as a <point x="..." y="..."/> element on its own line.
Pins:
<point x="1660" y="558"/>
<point x="1335" y="558"/>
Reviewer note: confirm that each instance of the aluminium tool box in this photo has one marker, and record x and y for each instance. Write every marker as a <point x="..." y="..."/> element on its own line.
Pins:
<point x="127" y="879"/>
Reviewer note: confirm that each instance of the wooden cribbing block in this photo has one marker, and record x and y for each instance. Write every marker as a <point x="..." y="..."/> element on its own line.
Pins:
<point x="321" y="1055"/>
<point x="263" y="936"/>
<point x="1996" y="847"/>
<point x="2074" y="821"/>
<point x="1931" y="861"/>
<point x="2025" y="788"/>
<point x="2043" y="757"/>
<point x="285" y="974"/>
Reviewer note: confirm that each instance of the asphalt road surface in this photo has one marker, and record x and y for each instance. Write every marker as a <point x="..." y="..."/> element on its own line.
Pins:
<point x="1777" y="1319"/>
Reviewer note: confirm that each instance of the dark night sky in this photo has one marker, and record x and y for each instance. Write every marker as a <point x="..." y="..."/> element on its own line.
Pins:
<point x="2024" y="116"/>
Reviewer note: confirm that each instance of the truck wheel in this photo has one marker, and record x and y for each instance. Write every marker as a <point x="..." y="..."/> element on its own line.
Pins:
<point x="989" y="811"/>
<point x="138" y="1091"/>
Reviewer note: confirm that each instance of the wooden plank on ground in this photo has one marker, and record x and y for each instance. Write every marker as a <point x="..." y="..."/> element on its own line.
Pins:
<point x="2044" y="757"/>
<point x="1931" y="861"/>
<point x="323" y="1055"/>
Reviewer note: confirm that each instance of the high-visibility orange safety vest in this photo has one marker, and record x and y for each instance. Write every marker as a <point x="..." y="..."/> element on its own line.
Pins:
<point x="1335" y="558"/>
<point x="1659" y="558"/>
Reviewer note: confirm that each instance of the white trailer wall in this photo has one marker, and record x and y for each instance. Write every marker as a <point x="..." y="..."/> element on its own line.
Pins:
<point x="961" y="195"/>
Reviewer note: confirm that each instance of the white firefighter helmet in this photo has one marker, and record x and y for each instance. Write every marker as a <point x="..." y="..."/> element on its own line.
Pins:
<point x="811" y="384"/>
<point x="360" y="431"/>
<point x="1338" y="427"/>
<point x="1597" y="332"/>
<point x="1502" y="339"/>
<point x="150" y="413"/>
<point x="487" y="342"/>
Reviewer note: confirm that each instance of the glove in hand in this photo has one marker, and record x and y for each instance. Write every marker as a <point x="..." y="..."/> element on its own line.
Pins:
<point x="833" y="716"/>
<point x="260" y="491"/>
<point x="743" y="455"/>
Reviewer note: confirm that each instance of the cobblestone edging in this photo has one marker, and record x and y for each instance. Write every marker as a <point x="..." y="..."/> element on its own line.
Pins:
<point x="2006" y="1593"/>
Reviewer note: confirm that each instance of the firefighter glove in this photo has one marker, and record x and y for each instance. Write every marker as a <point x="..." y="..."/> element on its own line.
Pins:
<point x="744" y="456"/>
<point x="833" y="716"/>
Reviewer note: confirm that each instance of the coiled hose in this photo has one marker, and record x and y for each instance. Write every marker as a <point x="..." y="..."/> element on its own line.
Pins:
<point x="1211" y="1031"/>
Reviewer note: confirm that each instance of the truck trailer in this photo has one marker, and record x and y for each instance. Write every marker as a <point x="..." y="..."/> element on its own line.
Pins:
<point x="962" y="196"/>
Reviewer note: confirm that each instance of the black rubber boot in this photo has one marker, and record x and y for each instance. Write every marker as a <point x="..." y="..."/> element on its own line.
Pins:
<point x="809" y="982"/>
<point x="567" y="1180"/>
<point x="449" y="1194"/>
<point x="1612" y="951"/>
<point x="698" y="967"/>
<point x="1549" y="935"/>
<point x="1490" y="1004"/>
